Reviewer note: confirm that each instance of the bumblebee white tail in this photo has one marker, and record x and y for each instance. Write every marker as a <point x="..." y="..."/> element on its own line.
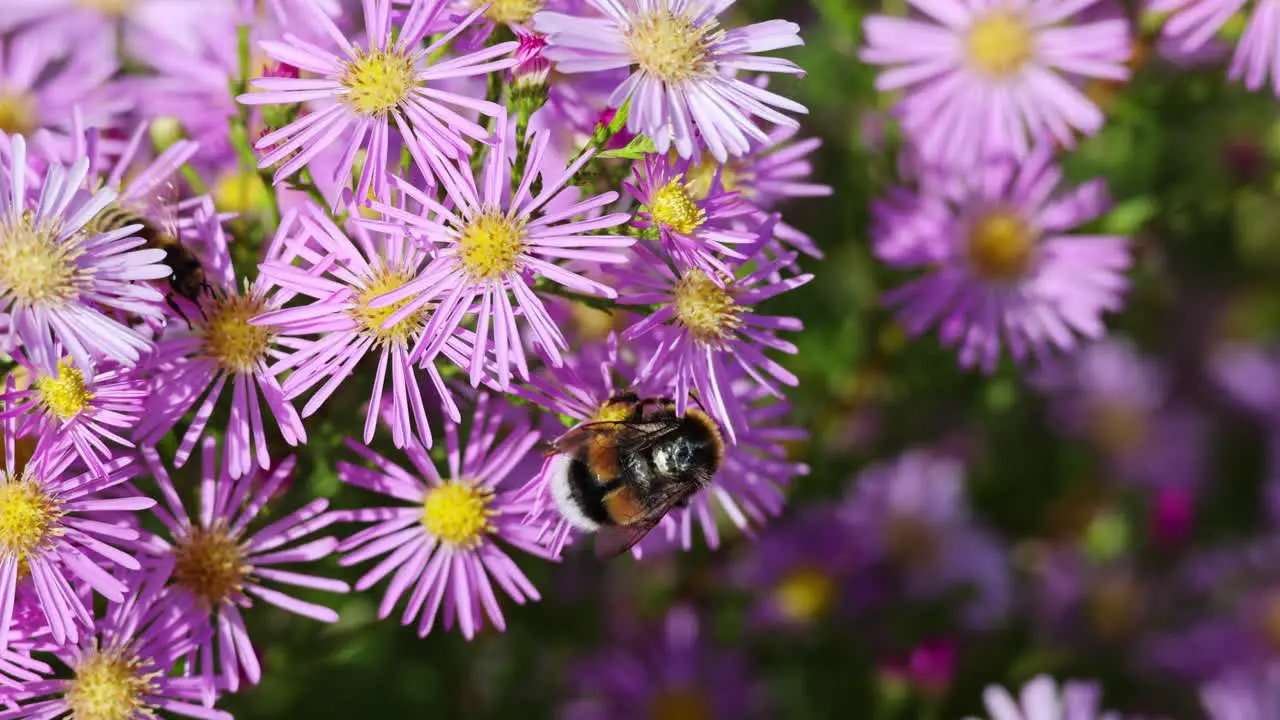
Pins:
<point x="563" y="495"/>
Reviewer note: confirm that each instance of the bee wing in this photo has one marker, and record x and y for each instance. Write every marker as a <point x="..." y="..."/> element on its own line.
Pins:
<point x="630" y="436"/>
<point x="613" y="540"/>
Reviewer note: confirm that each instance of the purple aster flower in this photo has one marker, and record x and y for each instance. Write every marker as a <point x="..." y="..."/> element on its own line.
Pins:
<point x="911" y="518"/>
<point x="703" y="328"/>
<point x="343" y="276"/>
<point x="218" y="562"/>
<point x="695" y="233"/>
<point x="123" y="669"/>
<point x="1193" y="25"/>
<point x="671" y="673"/>
<point x="85" y="410"/>
<point x="57" y="529"/>
<point x="443" y="541"/>
<point x="490" y="245"/>
<point x="138" y="22"/>
<point x="45" y="75"/>
<point x="1002" y="269"/>
<point x="58" y="284"/>
<point x="377" y="93"/>
<point x="685" y="87"/>
<point x="215" y="346"/>
<point x="1244" y="694"/>
<point x="1043" y="699"/>
<point x="995" y="79"/>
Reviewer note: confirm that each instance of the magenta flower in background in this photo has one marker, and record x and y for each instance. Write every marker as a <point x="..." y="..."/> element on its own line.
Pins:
<point x="672" y="671"/>
<point x="702" y="329"/>
<point x="684" y="91"/>
<point x="218" y="562"/>
<point x="1193" y="26"/>
<point x="1243" y="693"/>
<point x="1002" y="270"/>
<point x="984" y="79"/>
<point x="124" y="668"/>
<point x="490" y="245"/>
<point x="58" y="524"/>
<point x="213" y="345"/>
<point x="58" y="283"/>
<point x="377" y="93"/>
<point x="697" y="224"/>
<point x="343" y="276"/>
<point x="1043" y="699"/>
<point x="84" y="410"/>
<point x="443" y="541"/>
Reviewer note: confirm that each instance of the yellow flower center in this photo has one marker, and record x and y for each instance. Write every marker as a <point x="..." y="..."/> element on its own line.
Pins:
<point x="670" y="46"/>
<point x="65" y="394"/>
<point x="671" y="206"/>
<point x="1000" y="43"/>
<point x="27" y="517"/>
<point x="1000" y="246"/>
<point x="704" y="173"/>
<point x="509" y="11"/>
<point x="490" y="245"/>
<point x="108" y="686"/>
<point x="17" y="113"/>
<point x="372" y="319"/>
<point x="681" y="703"/>
<point x="593" y="323"/>
<point x="804" y="594"/>
<point x="242" y="193"/>
<point x="379" y="82"/>
<point x="457" y="513"/>
<point x="706" y="309"/>
<point x="210" y="564"/>
<point x="34" y="267"/>
<point x="229" y="339"/>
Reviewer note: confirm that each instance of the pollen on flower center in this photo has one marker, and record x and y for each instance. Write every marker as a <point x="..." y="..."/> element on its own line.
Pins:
<point x="1000" y="246"/>
<point x="704" y="173"/>
<point x="490" y="245"/>
<point x="707" y="310"/>
<point x="371" y="319"/>
<point x="1000" y="43"/>
<point x="670" y="46"/>
<point x="229" y="339"/>
<point x="34" y="267"/>
<point x="379" y="82"/>
<point x="458" y="513"/>
<point x="17" y="113"/>
<point x="671" y="206"/>
<point x="510" y="11"/>
<point x="804" y="594"/>
<point x="680" y="703"/>
<point x="108" y="686"/>
<point x="27" y="517"/>
<point x="65" y="394"/>
<point x="210" y="564"/>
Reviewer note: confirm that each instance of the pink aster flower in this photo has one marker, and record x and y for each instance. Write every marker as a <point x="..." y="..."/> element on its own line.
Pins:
<point x="490" y="246"/>
<point x="57" y="528"/>
<point x="442" y="541"/>
<point x="1001" y="266"/>
<point x="375" y="94"/>
<point x="215" y="346"/>
<point x="696" y="233"/>
<point x="1193" y="27"/>
<point x="123" y="669"/>
<point x="702" y="329"/>
<point x="342" y="275"/>
<point x="684" y="88"/>
<point x="223" y="556"/>
<point x="985" y="78"/>
<point x="59" y="284"/>
<point x="85" y="410"/>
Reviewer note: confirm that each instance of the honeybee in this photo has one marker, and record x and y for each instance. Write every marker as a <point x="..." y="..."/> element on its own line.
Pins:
<point x="188" y="278"/>
<point x="619" y="475"/>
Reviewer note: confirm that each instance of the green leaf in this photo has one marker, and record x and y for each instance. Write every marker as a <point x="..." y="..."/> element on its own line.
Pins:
<point x="635" y="150"/>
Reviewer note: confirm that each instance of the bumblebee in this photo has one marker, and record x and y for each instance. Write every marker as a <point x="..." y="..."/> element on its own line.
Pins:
<point x="188" y="278"/>
<point x="620" y="474"/>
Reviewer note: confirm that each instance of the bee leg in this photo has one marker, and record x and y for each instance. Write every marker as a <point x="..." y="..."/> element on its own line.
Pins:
<point x="173" y="304"/>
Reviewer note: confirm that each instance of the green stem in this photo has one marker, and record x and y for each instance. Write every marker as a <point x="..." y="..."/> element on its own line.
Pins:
<point x="493" y="94"/>
<point x="245" y="54"/>
<point x="599" y="139"/>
